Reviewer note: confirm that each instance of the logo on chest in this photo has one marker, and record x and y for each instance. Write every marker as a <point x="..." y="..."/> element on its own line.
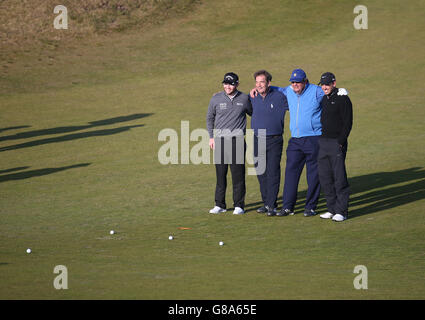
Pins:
<point x="223" y="106"/>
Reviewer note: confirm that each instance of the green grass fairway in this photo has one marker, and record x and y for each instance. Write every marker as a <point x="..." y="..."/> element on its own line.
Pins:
<point x="79" y="157"/>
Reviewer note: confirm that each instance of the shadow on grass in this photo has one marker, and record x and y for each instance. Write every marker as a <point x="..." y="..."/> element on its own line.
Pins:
<point x="13" y="169"/>
<point x="70" y="137"/>
<point x="68" y="129"/>
<point x="372" y="193"/>
<point x="12" y="128"/>
<point x="35" y="173"/>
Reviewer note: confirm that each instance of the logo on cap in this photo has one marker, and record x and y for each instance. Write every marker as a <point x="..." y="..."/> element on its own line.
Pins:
<point x="231" y="78"/>
<point x="298" y="75"/>
<point x="327" y="78"/>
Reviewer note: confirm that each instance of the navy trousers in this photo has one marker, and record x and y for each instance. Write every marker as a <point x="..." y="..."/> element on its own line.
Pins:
<point x="269" y="180"/>
<point x="301" y="151"/>
<point x="333" y="175"/>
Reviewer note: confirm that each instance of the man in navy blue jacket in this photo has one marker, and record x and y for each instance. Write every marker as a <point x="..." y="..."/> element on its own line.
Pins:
<point x="267" y="121"/>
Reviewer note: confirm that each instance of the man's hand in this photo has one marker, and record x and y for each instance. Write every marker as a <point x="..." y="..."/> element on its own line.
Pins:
<point x="212" y="145"/>
<point x="253" y="93"/>
<point x="342" y="92"/>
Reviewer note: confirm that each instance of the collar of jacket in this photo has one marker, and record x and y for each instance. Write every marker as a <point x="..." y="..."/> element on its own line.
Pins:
<point x="333" y="93"/>
<point x="269" y="91"/>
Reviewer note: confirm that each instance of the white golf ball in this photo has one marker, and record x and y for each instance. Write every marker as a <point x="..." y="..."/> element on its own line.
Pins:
<point x="221" y="243"/>
<point x="28" y="250"/>
<point x="170" y="238"/>
<point x="112" y="232"/>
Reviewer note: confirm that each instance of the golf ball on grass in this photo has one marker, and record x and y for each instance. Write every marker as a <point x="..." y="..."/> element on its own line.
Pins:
<point x="221" y="243"/>
<point x="28" y="250"/>
<point x="170" y="238"/>
<point x="112" y="232"/>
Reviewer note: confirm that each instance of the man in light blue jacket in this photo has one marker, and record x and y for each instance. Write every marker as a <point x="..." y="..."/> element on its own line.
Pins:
<point x="304" y="108"/>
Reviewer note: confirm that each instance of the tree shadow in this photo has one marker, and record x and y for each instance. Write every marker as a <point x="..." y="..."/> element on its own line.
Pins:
<point x="36" y="173"/>
<point x="68" y="129"/>
<point x="374" y="192"/>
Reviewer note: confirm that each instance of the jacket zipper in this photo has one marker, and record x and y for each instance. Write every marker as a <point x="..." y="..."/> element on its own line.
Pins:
<point x="298" y="109"/>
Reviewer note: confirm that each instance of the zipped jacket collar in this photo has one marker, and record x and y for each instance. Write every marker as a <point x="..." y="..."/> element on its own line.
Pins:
<point x="333" y="93"/>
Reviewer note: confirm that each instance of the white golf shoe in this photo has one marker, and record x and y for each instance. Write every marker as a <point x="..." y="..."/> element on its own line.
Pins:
<point x="326" y="215"/>
<point x="238" y="210"/>
<point x="338" y="218"/>
<point x="217" y="209"/>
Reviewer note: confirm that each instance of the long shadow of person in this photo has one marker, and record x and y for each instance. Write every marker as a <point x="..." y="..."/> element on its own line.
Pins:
<point x="35" y="173"/>
<point x="70" y="130"/>
<point x="69" y="137"/>
<point x="371" y="193"/>
<point x="375" y="192"/>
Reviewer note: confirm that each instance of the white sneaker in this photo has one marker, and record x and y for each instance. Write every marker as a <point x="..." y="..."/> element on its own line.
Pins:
<point x="338" y="218"/>
<point x="217" y="209"/>
<point x="238" y="210"/>
<point x="326" y="215"/>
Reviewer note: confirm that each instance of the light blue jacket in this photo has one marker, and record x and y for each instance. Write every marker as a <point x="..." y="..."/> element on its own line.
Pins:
<point x="304" y="110"/>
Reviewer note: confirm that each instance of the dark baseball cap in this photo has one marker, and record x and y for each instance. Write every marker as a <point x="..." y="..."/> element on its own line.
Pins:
<point x="231" y="78"/>
<point x="327" y="78"/>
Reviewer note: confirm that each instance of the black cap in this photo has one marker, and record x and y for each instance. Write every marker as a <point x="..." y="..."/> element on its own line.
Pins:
<point x="231" y="78"/>
<point x="327" y="78"/>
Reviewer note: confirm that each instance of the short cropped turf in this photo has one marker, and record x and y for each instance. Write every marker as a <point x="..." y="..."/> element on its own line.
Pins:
<point x="79" y="149"/>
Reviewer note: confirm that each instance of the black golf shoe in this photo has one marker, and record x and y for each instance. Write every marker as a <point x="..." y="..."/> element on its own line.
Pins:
<point x="309" y="213"/>
<point x="285" y="212"/>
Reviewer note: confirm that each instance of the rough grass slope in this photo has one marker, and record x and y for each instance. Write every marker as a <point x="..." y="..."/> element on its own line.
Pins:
<point x="31" y="21"/>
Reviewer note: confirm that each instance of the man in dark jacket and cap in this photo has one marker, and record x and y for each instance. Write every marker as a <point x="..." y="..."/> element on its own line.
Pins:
<point x="336" y="120"/>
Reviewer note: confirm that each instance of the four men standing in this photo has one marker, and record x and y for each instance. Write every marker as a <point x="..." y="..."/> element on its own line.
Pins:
<point x="305" y="102"/>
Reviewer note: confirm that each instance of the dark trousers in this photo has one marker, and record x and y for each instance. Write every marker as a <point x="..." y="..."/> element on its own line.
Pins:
<point x="230" y="152"/>
<point x="333" y="175"/>
<point x="301" y="151"/>
<point x="269" y="180"/>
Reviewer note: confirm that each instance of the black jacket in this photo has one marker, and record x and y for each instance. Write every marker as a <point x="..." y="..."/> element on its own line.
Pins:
<point x="337" y="116"/>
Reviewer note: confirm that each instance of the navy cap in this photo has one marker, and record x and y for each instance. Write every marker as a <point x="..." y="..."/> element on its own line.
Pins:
<point x="231" y="78"/>
<point x="327" y="78"/>
<point x="298" y="75"/>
